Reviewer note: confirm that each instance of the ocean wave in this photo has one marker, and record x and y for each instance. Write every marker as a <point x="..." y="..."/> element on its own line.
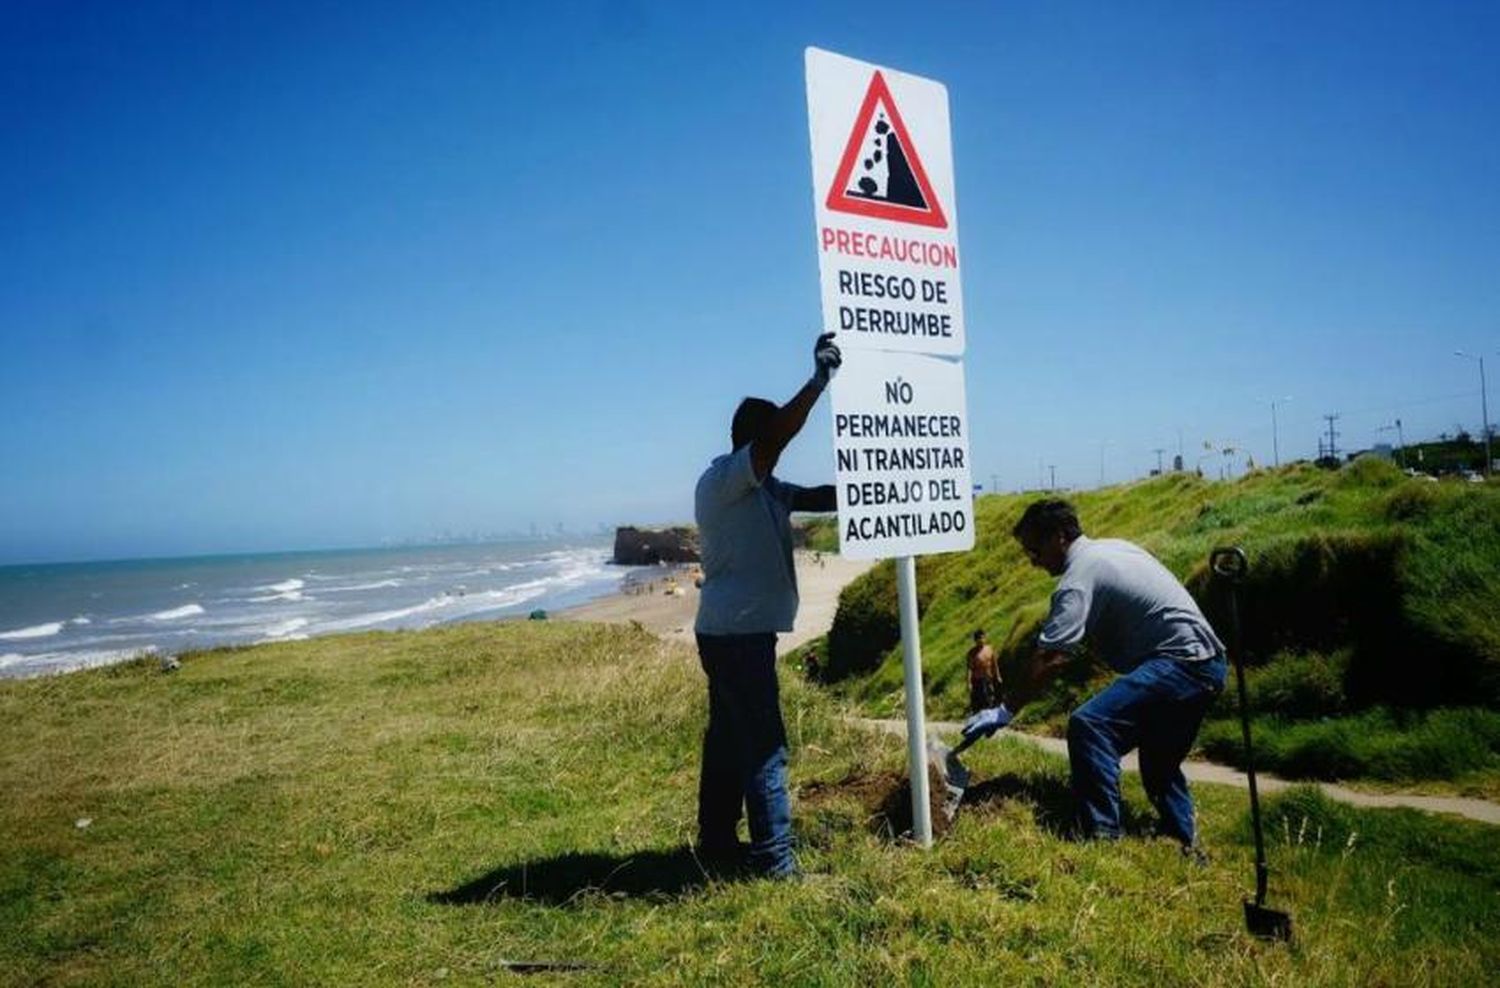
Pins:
<point x="284" y="630"/>
<point x="285" y="586"/>
<point x="229" y="611"/>
<point x="176" y="613"/>
<point x="289" y="595"/>
<point x="35" y="631"/>
<point x="377" y="585"/>
<point x="384" y="617"/>
<point x="49" y="663"/>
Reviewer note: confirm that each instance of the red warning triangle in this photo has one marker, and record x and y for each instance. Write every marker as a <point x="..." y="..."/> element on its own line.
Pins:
<point x="881" y="174"/>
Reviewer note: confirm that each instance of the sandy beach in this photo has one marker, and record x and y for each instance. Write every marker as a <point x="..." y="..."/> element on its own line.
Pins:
<point x="820" y="577"/>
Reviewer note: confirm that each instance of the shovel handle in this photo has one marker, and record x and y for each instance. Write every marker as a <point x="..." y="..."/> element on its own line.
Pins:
<point x="1229" y="564"/>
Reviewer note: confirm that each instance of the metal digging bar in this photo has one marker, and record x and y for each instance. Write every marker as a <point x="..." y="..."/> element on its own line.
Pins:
<point x="1229" y="566"/>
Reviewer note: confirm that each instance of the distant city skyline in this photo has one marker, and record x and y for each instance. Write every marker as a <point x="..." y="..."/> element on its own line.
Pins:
<point x="283" y="276"/>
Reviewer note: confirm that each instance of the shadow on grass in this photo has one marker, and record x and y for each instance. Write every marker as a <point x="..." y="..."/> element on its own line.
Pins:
<point x="565" y="879"/>
<point x="1051" y="802"/>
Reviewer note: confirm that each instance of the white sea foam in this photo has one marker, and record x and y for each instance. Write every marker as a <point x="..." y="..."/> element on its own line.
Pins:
<point x="285" y="586"/>
<point x="284" y="630"/>
<point x="49" y="663"/>
<point x="292" y="595"/>
<point x="176" y="613"/>
<point x="377" y="585"/>
<point x="384" y="617"/>
<point x="35" y="631"/>
<point x="82" y="619"/>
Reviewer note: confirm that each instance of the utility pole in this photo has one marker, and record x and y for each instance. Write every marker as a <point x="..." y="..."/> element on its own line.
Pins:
<point x="1053" y="467"/>
<point x="1332" y="450"/>
<point x="1276" y="446"/>
<point x="1484" y="407"/>
<point x="1158" y="451"/>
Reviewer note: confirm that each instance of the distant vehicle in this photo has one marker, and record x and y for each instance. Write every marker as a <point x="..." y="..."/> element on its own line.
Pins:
<point x="1472" y="476"/>
<point x="1416" y="474"/>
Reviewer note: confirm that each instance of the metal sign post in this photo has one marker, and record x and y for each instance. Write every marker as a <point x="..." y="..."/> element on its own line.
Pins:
<point x="916" y="716"/>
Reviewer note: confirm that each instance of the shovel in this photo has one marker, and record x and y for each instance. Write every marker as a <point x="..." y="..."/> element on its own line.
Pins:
<point x="954" y="774"/>
<point x="1230" y="566"/>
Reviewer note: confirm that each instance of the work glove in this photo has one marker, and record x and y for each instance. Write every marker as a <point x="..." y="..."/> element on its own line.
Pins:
<point x="986" y="722"/>
<point x="826" y="359"/>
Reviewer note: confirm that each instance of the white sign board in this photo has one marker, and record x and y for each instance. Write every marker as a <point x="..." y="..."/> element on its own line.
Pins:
<point x="901" y="446"/>
<point x="888" y="255"/>
<point x="886" y="214"/>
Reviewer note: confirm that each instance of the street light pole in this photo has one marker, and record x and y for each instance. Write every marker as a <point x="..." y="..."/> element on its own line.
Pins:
<point x="1275" y="445"/>
<point x="1484" y="406"/>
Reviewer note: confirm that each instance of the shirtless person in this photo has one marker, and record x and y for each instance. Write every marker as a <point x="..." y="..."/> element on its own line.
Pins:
<point x="984" y="674"/>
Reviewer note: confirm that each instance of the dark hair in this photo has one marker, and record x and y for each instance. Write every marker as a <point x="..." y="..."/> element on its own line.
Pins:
<point x="750" y="420"/>
<point x="1046" y="518"/>
<point x="978" y="633"/>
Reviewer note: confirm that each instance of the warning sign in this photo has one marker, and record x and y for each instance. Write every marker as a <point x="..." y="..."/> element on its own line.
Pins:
<point x="901" y="446"/>
<point x="881" y="174"/>
<point x="886" y="215"/>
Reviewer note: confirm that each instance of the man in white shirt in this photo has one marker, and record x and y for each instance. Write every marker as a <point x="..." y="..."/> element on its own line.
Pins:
<point x="749" y="595"/>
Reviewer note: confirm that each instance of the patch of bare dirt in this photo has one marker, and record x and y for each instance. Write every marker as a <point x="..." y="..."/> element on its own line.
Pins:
<point x="886" y="798"/>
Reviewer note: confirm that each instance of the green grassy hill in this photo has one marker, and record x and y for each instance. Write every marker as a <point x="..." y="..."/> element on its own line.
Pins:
<point x="437" y="807"/>
<point x="1372" y="610"/>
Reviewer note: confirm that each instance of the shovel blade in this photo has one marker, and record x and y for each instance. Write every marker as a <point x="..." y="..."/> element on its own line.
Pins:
<point x="954" y="774"/>
<point x="1267" y="923"/>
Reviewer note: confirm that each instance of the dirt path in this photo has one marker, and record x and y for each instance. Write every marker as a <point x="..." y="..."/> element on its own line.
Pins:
<point x="1199" y="771"/>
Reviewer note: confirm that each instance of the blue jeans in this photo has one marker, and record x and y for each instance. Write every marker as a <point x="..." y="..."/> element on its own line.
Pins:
<point x="744" y="752"/>
<point x="1158" y="707"/>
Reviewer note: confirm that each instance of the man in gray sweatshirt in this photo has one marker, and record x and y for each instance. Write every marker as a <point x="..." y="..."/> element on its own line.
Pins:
<point x="1141" y="621"/>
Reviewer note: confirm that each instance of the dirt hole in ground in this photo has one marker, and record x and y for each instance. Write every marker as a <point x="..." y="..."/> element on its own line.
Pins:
<point x="886" y="799"/>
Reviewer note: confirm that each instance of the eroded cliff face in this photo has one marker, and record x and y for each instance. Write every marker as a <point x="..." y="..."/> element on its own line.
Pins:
<point x="649" y="546"/>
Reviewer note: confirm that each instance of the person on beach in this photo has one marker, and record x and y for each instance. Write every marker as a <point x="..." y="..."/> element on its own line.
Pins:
<point x="1147" y="627"/>
<point x="984" y="674"/>
<point x="750" y="595"/>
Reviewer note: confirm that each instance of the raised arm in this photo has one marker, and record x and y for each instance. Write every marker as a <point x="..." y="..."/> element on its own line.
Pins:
<point x="766" y="449"/>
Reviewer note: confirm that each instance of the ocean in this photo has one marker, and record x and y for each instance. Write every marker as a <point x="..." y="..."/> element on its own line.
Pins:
<point x="65" y="616"/>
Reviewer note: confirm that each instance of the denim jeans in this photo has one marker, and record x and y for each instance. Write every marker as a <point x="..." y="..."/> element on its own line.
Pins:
<point x="744" y="752"/>
<point x="1158" y="707"/>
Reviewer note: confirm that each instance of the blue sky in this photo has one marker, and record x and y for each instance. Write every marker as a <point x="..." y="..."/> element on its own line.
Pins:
<point x="295" y="275"/>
